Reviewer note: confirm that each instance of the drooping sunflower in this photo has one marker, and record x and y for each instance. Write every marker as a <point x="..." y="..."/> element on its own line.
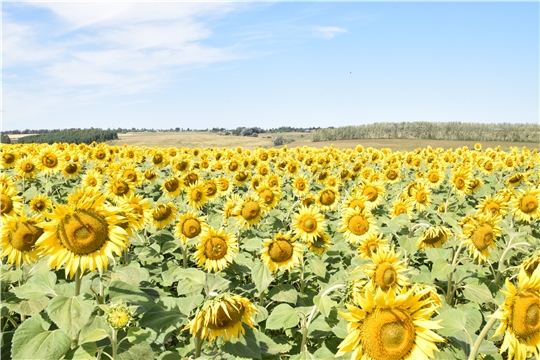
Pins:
<point x="433" y="237"/>
<point x="222" y="316"/>
<point x="18" y="238"/>
<point x="387" y="271"/>
<point x="10" y="203"/>
<point x="249" y="211"/>
<point x="421" y="196"/>
<point x="196" y="195"/>
<point x="520" y="322"/>
<point x="282" y="253"/>
<point x="480" y="234"/>
<point x="386" y="326"/>
<point x="371" y="245"/>
<point x="150" y="176"/>
<point x="525" y="205"/>
<point x="40" y="204"/>
<point x="189" y="226"/>
<point x="216" y="249"/>
<point x="357" y="225"/>
<point x="494" y="205"/>
<point x="162" y="215"/>
<point x="83" y="236"/>
<point x="308" y="224"/>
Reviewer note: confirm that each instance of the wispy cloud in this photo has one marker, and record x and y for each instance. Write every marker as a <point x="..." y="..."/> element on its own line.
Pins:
<point x="327" y="32"/>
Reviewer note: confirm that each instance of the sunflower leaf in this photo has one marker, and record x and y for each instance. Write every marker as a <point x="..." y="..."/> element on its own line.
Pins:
<point x="282" y="317"/>
<point x="85" y="351"/>
<point x="245" y="347"/>
<point x="318" y="266"/>
<point x="70" y="313"/>
<point x="325" y="304"/>
<point x="262" y="276"/>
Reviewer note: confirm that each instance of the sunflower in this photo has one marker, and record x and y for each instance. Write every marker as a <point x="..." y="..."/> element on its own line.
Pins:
<point x="356" y="200"/>
<point x="211" y="187"/>
<point x="274" y="181"/>
<point x="300" y="186"/>
<point x="216" y="249"/>
<point x="171" y="187"/>
<point x="460" y="179"/>
<point x="150" y="176"/>
<point x="241" y="177"/>
<point x="357" y="225"/>
<point x="229" y="206"/>
<point x="308" y="224"/>
<point x="269" y="196"/>
<point x="421" y="196"/>
<point x="474" y="185"/>
<point x="131" y="174"/>
<point x="386" y="326"/>
<point x="495" y="205"/>
<point x="181" y="164"/>
<point x="392" y="175"/>
<point x="374" y="191"/>
<point x="434" y="178"/>
<point x="222" y="316"/>
<point x="224" y="186"/>
<point x="50" y="160"/>
<point x="40" y="204"/>
<point x="386" y="272"/>
<point x="83" y="236"/>
<point x="10" y="203"/>
<point x="433" y="237"/>
<point x="162" y="215"/>
<point x="327" y="199"/>
<point x="520" y="322"/>
<point x="158" y="158"/>
<point x="18" y="239"/>
<point x="481" y="232"/>
<point x="137" y="210"/>
<point x="27" y="167"/>
<point x="515" y="179"/>
<point x="525" y="205"/>
<point x="320" y="245"/>
<point x="196" y="195"/>
<point x="371" y="245"/>
<point x="281" y="253"/>
<point x="249" y="211"/>
<point x="189" y="226"/>
<point x="118" y="188"/>
<point x="402" y="206"/>
<point x="9" y="159"/>
<point x="92" y="178"/>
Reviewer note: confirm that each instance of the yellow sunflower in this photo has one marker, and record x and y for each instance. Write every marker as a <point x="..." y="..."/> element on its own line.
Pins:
<point x="196" y="195"/>
<point x="308" y="224"/>
<point x="40" y="204"/>
<point x="249" y="211"/>
<point x="211" y="187"/>
<point x="480" y="233"/>
<point x="434" y="178"/>
<point x="371" y="245"/>
<point x="282" y="253"/>
<point x="10" y="203"/>
<point x="386" y="272"/>
<point x="474" y="185"/>
<point x="27" y="167"/>
<point x="520" y="322"/>
<point x="320" y="245"/>
<point x="525" y="205"/>
<point x="327" y="199"/>
<point x="274" y="181"/>
<point x="229" y="206"/>
<point x="50" y="160"/>
<point x="300" y="186"/>
<point x="356" y="200"/>
<point x="162" y="215"/>
<point x="189" y="226"/>
<point x="420" y="196"/>
<point x="269" y="196"/>
<point x="18" y="239"/>
<point x="224" y="186"/>
<point x="9" y="158"/>
<point x="402" y="206"/>
<point x="216" y="249"/>
<point x="357" y="225"/>
<point x="171" y="187"/>
<point x="131" y="174"/>
<point x="374" y="191"/>
<point x="83" y="236"/>
<point x="433" y="237"/>
<point x="460" y="179"/>
<point x="118" y="188"/>
<point x="386" y="326"/>
<point x="150" y="176"/>
<point x="515" y="179"/>
<point x="222" y="316"/>
<point x="494" y="205"/>
<point x="137" y="209"/>
<point x="92" y="178"/>
<point x="392" y="175"/>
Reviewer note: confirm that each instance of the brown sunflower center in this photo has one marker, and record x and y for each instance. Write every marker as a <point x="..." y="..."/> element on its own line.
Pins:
<point x="150" y="174"/>
<point x="391" y="175"/>
<point x="6" y="204"/>
<point x="433" y="238"/>
<point x="528" y="204"/>
<point x="161" y="212"/>
<point x="421" y="196"/>
<point x="357" y="202"/>
<point x="372" y="248"/>
<point x="493" y="208"/>
<point x="223" y="319"/>
<point x="327" y="197"/>
<point x="280" y="251"/>
<point x="172" y="185"/>
<point x="371" y="193"/>
<point x="196" y="195"/>
<point x="309" y="224"/>
<point x="250" y="210"/>
<point x="130" y="175"/>
<point x="267" y="196"/>
<point x="215" y="248"/>
<point x="482" y="236"/>
<point x="358" y="225"/>
<point x="233" y="166"/>
<point x="91" y="182"/>
<point x="120" y="188"/>
<point x="157" y="159"/>
<point x="401" y="209"/>
<point x="28" y="167"/>
<point x="388" y="334"/>
<point x="525" y="319"/>
<point x="241" y="176"/>
<point x="71" y="168"/>
<point x="49" y="160"/>
<point x="211" y="189"/>
<point x="8" y="158"/>
<point x="385" y="275"/>
<point x="515" y="179"/>
<point x="191" y="228"/>
<point x="100" y="154"/>
<point x="459" y="182"/>
<point x="300" y="185"/>
<point x="433" y="177"/>
<point x="25" y="236"/>
<point x="39" y="205"/>
<point x="83" y="232"/>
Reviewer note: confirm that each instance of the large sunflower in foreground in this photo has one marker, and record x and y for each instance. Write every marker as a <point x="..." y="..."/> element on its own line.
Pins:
<point x="84" y="236"/>
<point x="526" y="205"/>
<point x="308" y="224"/>
<point x="216" y="249"/>
<point x="18" y="239"/>
<point x="386" y="327"/>
<point x="222" y="316"/>
<point x="280" y="253"/>
<point x="520" y="322"/>
<point x="481" y="232"/>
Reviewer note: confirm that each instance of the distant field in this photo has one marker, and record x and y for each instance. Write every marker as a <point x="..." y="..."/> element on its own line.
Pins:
<point x="191" y="139"/>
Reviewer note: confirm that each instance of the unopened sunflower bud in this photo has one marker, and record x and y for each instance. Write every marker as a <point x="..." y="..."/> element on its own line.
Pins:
<point x="119" y="316"/>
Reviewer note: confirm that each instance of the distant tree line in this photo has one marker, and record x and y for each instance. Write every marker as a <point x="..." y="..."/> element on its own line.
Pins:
<point x="78" y="136"/>
<point x="434" y="131"/>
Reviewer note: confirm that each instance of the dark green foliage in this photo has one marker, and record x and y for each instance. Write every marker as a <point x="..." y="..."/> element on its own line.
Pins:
<point x="4" y="139"/>
<point x="78" y="136"/>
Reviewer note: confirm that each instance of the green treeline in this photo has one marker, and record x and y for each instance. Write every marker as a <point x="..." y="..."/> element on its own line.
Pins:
<point x="78" y="136"/>
<point x="434" y="131"/>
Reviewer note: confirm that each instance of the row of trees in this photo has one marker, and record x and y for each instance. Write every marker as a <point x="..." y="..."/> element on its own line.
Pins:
<point x="434" y="131"/>
<point x="78" y="136"/>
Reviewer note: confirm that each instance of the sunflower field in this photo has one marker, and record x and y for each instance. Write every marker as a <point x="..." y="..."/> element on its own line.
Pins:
<point x="123" y="252"/>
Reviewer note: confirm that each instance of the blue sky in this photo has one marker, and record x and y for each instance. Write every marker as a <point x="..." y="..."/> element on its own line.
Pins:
<point x="212" y="64"/>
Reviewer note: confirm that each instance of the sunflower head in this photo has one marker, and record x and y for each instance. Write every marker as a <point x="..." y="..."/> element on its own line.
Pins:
<point x="281" y="252"/>
<point x="19" y="237"/>
<point x="433" y="237"/>
<point x="119" y="316"/>
<point x="189" y="226"/>
<point x="481" y="232"/>
<point x="216" y="249"/>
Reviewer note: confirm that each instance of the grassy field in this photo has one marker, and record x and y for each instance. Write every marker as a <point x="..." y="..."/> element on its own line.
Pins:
<point x="193" y="139"/>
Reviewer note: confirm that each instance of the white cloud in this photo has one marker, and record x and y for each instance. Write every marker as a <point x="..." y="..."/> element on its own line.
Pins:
<point x="327" y="32"/>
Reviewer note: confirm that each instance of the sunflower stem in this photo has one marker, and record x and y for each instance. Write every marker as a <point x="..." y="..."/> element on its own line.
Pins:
<point x="450" y="286"/>
<point x="114" y="343"/>
<point x="198" y="344"/>
<point x="78" y="278"/>
<point x="474" y="351"/>
<point x="184" y="256"/>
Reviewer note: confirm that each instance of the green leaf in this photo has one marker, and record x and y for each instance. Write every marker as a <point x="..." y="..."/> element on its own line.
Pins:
<point x="141" y="351"/>
<point x="284" y="293"/>
<point x="433" y="254"/>
<point x="86" y="351"/>
<point x="408" y="244"/>
<point x="282" y="317"/>
<point x="456" y="321"/>
<point x="169" y="355"/>
<point x="10" y="276"/>
<point x="161" y="320"/>
<point x="70" y="313"/>
<point x="216" y="283"/>
<point x="32" y="340"/>
<point x="304" y="355"/>
<point x="253" y="244"/>
<point x="245" y="347"/>
<point x="270" y="347"/>
<point x="477" y="293"/>
<point x="324" y="304"/>
<point x="132" y="274"/>
<point x="262" y="276"/>
<point x="188" y="303"/>
<point x="137" y="335"/>
<point x="94" y="330"/>
<point x="24" y="307"/>
<point x="37" y="286"/>
<point x="261" y="314"/>
<point x="441" y="268"/>
<point x="121" y="291"/>
<point x="318" y="266"/>
<point x="192" y="278"/>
